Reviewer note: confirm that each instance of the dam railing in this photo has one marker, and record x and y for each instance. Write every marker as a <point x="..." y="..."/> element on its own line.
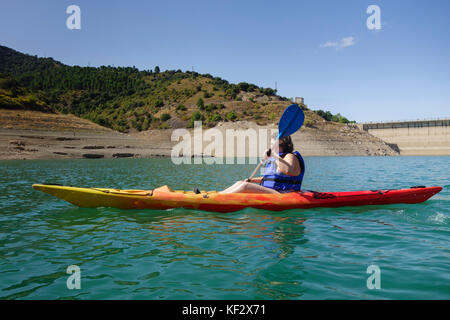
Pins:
<point x="419" y="123"/>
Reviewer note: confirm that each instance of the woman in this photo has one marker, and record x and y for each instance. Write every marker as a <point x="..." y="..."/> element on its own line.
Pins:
<point x="286" y="178"/>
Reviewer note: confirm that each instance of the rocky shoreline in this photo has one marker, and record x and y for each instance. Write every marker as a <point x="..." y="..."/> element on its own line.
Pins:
<point x="38" y="144"/>
<point x="27" y="135"/>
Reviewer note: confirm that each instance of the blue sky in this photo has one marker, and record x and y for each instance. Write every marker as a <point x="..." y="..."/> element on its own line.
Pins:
<point x="399" y="72"/>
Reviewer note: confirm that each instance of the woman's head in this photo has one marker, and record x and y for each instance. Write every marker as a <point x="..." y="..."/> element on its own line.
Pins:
<point x="286" y="145"/>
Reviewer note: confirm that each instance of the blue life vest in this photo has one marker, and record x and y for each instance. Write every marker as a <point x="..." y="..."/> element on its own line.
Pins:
<point x="281" y="182"/>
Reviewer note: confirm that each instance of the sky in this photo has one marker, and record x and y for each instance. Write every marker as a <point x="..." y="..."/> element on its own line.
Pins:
<point x="320" y="50"/>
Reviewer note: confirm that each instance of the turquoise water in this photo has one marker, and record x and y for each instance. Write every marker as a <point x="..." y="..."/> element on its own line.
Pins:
<point x="252" y="254"/>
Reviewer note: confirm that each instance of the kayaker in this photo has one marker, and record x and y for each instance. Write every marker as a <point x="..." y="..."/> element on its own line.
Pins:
<point x="286" y="178"/>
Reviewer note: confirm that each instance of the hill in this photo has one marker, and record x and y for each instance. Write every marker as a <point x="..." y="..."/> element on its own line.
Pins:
<point x="16" y="63"/>
<point x="47" y="110"/>
<point x="127" y="99"/>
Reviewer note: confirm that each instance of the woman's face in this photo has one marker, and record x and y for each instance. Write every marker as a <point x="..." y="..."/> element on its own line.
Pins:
<point x="280" y="148"/>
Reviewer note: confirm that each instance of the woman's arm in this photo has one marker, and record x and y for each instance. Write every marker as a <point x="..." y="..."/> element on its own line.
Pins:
<point x="289" y="165"/>
<point x="256" y="180"/>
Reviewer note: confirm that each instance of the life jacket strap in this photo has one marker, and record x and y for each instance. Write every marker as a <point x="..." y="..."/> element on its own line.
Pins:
<point x="282" y="180"/>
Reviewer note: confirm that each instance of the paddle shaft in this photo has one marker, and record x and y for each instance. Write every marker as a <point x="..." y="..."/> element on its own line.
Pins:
<point x="257" y="168"/>
<point x="262" y="161"/>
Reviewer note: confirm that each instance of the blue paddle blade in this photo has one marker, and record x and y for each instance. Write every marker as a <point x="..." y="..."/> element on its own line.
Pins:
<point x="291" y="120"/>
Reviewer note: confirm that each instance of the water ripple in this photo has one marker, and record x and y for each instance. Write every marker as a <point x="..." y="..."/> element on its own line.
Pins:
<point x="252" y="254"/>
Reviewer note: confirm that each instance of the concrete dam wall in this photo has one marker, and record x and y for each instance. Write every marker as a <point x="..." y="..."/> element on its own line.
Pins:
<point x="421" y="137"/>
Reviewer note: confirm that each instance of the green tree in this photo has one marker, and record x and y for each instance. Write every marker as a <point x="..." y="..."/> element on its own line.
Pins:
<point x="200" y="104"/>
<point x="165" y="117"/>
<point x="157" y="70"/>
<point x="145" y="124"/>
<point x="197" y="116"/>
<point x="159" y="103"/>
<point x="216" y="117"/>
<point x="181" y="107"/>
<point x="243" y="86"/>
<point x="343" y="120"/>
<point x="231" y="115"/>
<point x="210" y="107"/>
<point x="269" y="91"/>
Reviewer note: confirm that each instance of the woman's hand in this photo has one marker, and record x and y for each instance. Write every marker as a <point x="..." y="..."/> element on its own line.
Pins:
<point x="267" y="154"/>
<point x="254" y="180"/>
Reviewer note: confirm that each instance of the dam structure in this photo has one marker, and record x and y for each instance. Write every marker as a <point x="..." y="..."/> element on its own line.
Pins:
<point x="413" y="138"/>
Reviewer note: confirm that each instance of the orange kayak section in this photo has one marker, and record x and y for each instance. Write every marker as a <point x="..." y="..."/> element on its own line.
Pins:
<point x="165" y="198"/>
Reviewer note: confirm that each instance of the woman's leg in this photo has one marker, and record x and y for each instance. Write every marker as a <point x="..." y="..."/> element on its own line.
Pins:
<point x="232" y="188"/>
<point x="247" y="187"/>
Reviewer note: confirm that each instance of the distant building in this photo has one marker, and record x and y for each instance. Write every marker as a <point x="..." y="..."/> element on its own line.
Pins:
<point x="299" y="100"/>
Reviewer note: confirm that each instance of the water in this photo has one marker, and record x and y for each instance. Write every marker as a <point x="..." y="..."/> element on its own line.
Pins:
<point x="252" y="254"/>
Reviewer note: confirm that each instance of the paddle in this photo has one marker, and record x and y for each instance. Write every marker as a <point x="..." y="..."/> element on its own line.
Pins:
<point x="291" y="120"/>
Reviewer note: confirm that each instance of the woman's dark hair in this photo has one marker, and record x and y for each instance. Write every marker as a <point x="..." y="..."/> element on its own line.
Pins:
<point x="286" y="143"/>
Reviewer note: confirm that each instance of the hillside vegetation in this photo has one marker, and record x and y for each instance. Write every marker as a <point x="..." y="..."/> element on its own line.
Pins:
<point x="125" y="98"/>
<point x="14" y="96"/>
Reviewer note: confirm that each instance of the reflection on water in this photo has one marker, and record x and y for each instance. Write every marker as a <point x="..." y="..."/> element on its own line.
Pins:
<point x="261" y="241"/>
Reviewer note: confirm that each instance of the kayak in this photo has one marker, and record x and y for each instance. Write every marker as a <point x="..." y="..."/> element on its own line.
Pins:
<point x="164" y="197"/>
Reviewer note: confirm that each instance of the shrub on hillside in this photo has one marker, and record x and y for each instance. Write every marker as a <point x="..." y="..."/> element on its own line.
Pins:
<point x="158" y="103"/>
<point x="165" y="117"/>
<point x="243" y="86"/>
<point x="197" y="116"/>
<point x="272" y="116"/>
<point x="308" y="123"/>
<point x="200" y="104"/>
<point x="327" y="115"/>
<point x="231" y="115"/>
<point x="163" y="125"/>
<point x="145" y="124"/>
<point x="216" y="117"/>
<point x="210" y="107"/>
<point x="269" y="91"/>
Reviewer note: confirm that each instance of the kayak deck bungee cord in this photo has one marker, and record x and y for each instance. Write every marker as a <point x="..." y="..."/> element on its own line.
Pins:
<point x="164" y="197"/>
